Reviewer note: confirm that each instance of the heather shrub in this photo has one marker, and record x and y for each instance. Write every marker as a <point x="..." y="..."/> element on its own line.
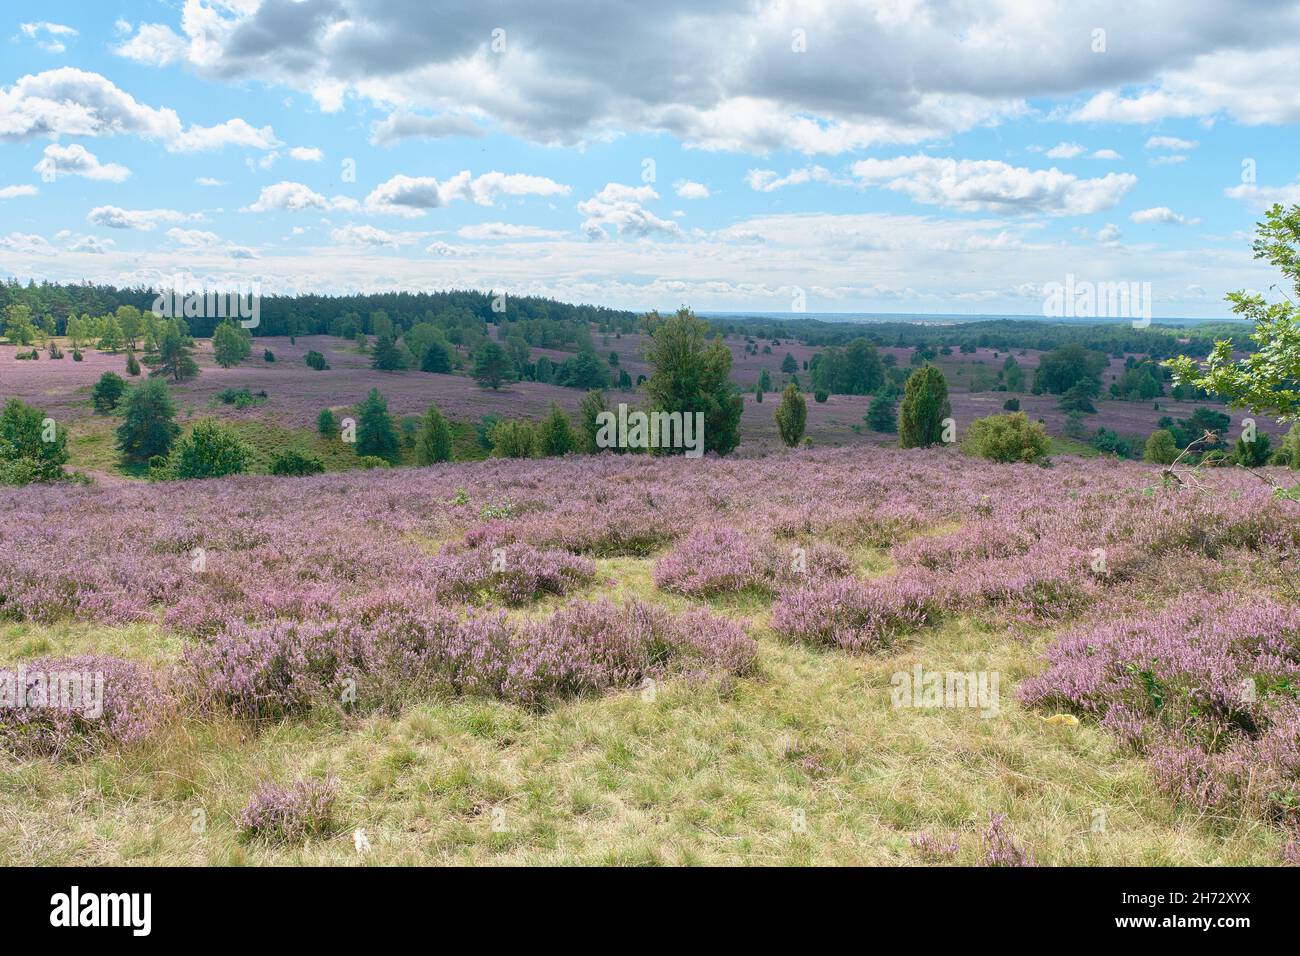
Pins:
<point x="999" y="847"/>
<point x="72" y="707"/>
<point x="854" y="615"/>
<point x="277" y="814"/>
<point x="514" y="573"/>
<point x="290" y="462"/>
<point x="713" y="560"/>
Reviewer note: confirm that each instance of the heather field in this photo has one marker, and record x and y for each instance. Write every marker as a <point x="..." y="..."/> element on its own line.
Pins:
<point x="630" y="659"/>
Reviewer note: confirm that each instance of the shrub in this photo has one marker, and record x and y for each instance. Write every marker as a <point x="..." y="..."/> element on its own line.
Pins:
<point x="854" y="615"/>
<point x="376" y="436"/>
<point x="791" y="416"/>
<point x="820" y="396"/>
<point x="76" y="357"/>
<point x="925" y="406"/>
<point x="881" y="416"/>
<point x="1255" y="453"/>
<point x="210" y="450"/>
<point x="999" y="847"/>
<point x="268" y="355"/>
<point x="436" y="358"/>
<point x="132" y="364"/>
<point x="555" y="436"/>
<point x="278" y="814"/>
<point x="1008" y="438"/>
<point x="515" y="573"/>
<point x="316" y="360"/>
<point x="231" y="344"/>
<point x="107" y="392"/>
<point x="327" y="424"/>
<point x="714" y="561"/>
<point x="101" y="702"/>
<point x="513" y="439"/>
<point x="1161" y="448"/>
<point x="289" y="462"/>
<point x="1011" y="405"/>
<point x="25" y="455"/>
<point x="1291" y="445"/>
<point x="433" y="443"/>
<point x="368" y="462"/>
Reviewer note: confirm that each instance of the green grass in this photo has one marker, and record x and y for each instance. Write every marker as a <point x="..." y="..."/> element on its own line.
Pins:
<point x="805" y="761"/>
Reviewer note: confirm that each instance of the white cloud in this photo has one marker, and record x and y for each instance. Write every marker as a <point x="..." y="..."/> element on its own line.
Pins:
<point x="113" y="217"/>
<point x="1171" y="159"/>
<point x="13" y="192"/>
<point x="1064" y="151"/>
<point x="989" y="185"/>
<point x="411" y="195"/>
<point x="76" y="160"/>
<point x="306" y="154"/>
<point x="195" y="238"/>
<point x="440" y="248"/>
<point x="72" y="102"/>
<point x="402" y="125"/>
<point x="296" y="197"/>
<point x="47" y="35"/>
<point x="154" y="44"/>
<point x="767" y="180"/>
<point x="209" y="181"/>
<point x="1105" y="154"/>
<point x="362" y="235"/>
<point x="1162" y="215"/>
<point x="691" y="190"/>
<point x="1262" y="197"/>
<point x="619" y="206"/>
<point x="505" y="230"/>
<point x="27" y="244"/>
<point x="88" y="244"/>
<point x="1170" y="142"/>
<point x="1109" y="234"/>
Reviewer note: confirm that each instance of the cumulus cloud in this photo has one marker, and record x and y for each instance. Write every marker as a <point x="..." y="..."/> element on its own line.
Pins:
<point x="1161" y="215"/>
<point x="1170" y="142"/>
<point x="990" y="185"/>
<point x="689" y="190"/>
<point x="296" y="197"/>
<point x="113" y="217"/>
<point x="620" y="207"/>
<point x="1109" y="234"/>
<point x="27" y="243"/>
<point x="13" y="192"/>
<point x="76" y="160"/>
<point x="72" y="102"/>
<point x="154" y="44"/>
<point x="1262" y="197"/>
<point x="362" y="235"/>
<point x="306" y="154"/>
<point x="1104" y="154"/>
<point x="1065" y="151"/>
<point x="413" y="195"/>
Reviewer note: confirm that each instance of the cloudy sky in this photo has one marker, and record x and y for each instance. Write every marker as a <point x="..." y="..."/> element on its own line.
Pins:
<point x="887" y="156"/>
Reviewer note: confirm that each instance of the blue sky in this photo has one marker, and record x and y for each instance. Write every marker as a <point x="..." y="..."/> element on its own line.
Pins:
<point x="892" y="156"/>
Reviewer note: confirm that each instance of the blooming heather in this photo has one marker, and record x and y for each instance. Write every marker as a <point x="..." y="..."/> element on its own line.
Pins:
<point x="854" y="615"/>
<point x="277" y="814"/>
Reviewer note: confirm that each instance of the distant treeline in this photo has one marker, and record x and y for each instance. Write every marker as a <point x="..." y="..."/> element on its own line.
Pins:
<point x="322" y="314"/>
<point x="1000" y="334"/>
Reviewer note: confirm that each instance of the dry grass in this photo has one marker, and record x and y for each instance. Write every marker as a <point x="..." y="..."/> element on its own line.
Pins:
<point x="691" y="774"/>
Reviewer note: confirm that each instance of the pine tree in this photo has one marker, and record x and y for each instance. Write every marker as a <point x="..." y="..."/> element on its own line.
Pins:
<point x="436" y="358"/>
<point x="327" y="424"/>
<point x="107" y="392"/>
<point x="174" y="356"/>
<point x="386" y="356"/>
<point x="149" y="425"/>
<point x="492" y="366"/>
<point x="693" y="374"/>
<point x="881" y="416"/>
<point x="555" y="436"/>
<point x="376" y="435"/>
<point x="231" y="344"/>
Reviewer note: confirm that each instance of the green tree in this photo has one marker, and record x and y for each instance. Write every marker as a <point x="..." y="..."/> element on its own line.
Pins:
<point x="210" y="450"/>
<point x="433" y="443"/>
<point x="32" y="446"/>
<point x="18" y="324"/>
<point x="132" y="364"/>
<point x="131" y="322"/>
<point x="1161" y="448"/>
<point x="316" y="360"/>
<point x="693" y="374"/>
<point x="376" y="436"/>
<point x="788" y="364"/>
<point x="591" y="406"/>
<point x="764" y="381"/>
<point x="386" y="356"/>
<point x="1291" y="445"/>
<point x="436" y="358"/>
<point x="925" y="406"/>
<point x="110" y="334"/>
<point x="791" y="416"/>
<point x="555" y="437"/>
<point x="881" y="415"/>
<point x="1255" y="453"/>
<point x="1013" y="376"/>
<point x="1067" y="366"/>
<point x="174" y="357"/>
<point x="1007" y="438"/>
<point x="231" y="344"/>
<point x="584" y="371"/>
<point x="327" y="424"/>
<point x="492" y="366"/>
<point x="1267" y="381"/>
<point x="107" y="392"/>
<point x="1078" y="398"/>
<point x="149" y="425"/>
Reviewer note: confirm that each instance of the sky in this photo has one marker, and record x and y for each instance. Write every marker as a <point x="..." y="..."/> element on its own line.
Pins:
<point x="898" y="156"/>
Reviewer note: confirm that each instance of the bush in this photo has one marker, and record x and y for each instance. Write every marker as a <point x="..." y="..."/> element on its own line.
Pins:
<point x="1011" y="405"/>
<point x="1007" y="438"/>
<point x="268" y="356"/>
<point x="372" y="461"/>
<point x="791" y="416"/>
<point x="881" y="416"/>
<point x="289" y="462"/>
<point x="433" y="443"/>
<point x="436" y="358"/>
<point x="25" y="455"/>
<point x="820" y="396"/>
<point x="513" y="439"/>
<point x="376" y="436"/>
<point x="132" y="364"/>
<point x="316" y="360"/>
<point x="210" y="450"/>
<point x="327" y="424"/>
<point x="290" y="814"/>
<point x="78" y="725"/>
<point x="1253" y="454"/>
<point x="852" y="614"/>
<point x="1161" y="448"/>
<point x="555" y="436"/>
<point x="925" y="406"/>
<point x="107" y="392"/>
